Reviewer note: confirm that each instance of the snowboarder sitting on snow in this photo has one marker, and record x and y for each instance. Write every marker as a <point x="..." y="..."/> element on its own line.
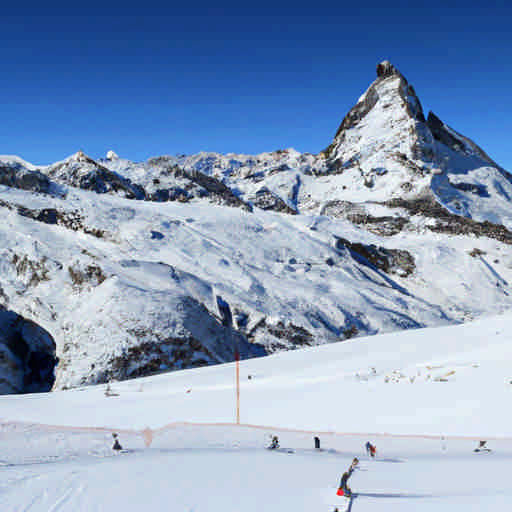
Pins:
<point x="274" y="443"/>
<point x="482" y="447"/>
<point x="117" y="447"/>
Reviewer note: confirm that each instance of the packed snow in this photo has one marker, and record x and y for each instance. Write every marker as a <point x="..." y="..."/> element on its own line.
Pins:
<point x="424" y="398"/>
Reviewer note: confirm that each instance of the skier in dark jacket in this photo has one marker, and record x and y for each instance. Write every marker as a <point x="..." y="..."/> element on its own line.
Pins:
<point x="344" y="482"/>
<point x="117" y="446"/>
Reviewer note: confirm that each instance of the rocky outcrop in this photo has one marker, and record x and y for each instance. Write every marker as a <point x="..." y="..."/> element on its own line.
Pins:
<point x="455" y="141"/>
<point x="266" y="200"/>
<point x="69" y="219"/>
<point x="385" y="68"/>
<point x="386" y="225"/>
<point x="391" y="261"/>
<point x="27" y="355"/>
<point x="17" y="177"/>
<point x="173" y="183"/>
<point x="449" y="223"/>
<point x="83" y="172"/>
<point x="405" y="96"/>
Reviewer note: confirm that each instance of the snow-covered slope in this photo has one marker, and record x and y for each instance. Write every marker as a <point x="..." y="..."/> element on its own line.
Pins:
<point x="424" y="398"/>
<point x="135" y="268"/>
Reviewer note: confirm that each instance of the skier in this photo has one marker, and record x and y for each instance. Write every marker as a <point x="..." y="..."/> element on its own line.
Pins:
<point x="117" y="447"/>
<point x="344" y="489"/>
<point x="274" y="443"/>
<point x="371" y="449"/>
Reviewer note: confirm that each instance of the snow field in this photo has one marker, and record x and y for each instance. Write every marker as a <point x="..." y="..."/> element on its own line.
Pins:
<point x="214" y="468"/>
<point x="425" y="431"/>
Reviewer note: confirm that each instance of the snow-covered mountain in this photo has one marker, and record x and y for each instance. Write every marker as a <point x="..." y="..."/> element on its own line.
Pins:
<point x="133" y="268"/>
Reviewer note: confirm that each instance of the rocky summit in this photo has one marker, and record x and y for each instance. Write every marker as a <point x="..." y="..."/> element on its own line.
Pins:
<point x="113" y="269"/>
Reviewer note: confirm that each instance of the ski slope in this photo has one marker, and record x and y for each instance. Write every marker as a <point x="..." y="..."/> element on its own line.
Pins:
<point x="424" y="397"/>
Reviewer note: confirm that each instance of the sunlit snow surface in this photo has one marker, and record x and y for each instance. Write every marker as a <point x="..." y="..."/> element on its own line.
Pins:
<point x="424" y="397"/>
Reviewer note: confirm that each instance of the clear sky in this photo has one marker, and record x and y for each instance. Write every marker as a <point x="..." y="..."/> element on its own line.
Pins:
<point x="161" y="78"/>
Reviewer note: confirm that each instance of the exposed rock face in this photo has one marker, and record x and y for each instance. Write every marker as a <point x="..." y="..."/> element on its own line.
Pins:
<point x="83" y="172"/>
<point x="69" y="219"/>
<point x="455" y="141"/>
<point x="165" y="330"/>
<point x="17" y="177"/>
<point x="27" y="355"/>
<point x="281" y="336"/>
<point x="385" y="68"/>
<point x="447" y="222"/>
<point x="266" y="200"/>
<point x="175" y="184"/>
<point x="391" y="261"/>
<point x="388" y="112"/>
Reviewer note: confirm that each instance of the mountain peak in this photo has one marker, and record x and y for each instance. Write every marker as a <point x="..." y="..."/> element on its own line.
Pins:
<point x="385" y="68"/>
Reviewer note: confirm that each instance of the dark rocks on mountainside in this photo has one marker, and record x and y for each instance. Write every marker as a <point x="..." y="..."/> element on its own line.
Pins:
<point x="359" y="111"/>
<point x="448" y="222"/>
<point x="152" y="357"/>
<point x="294" y="334"/>
<point x="409" y="98"/>
<point x="217" y="188"/>
<point x="102" y="181"/>
<point x="87" y="174"/>
<point x="89" y="274"/>
<point x="391" y="261"/>
<point x="69" y="219"/>
<point x="200" y="185"/>
<point x="357" y="214"/>
<point x="266" y="200"/>
<point x="385" y="68"/>
<point x="33" y="272"/>
<point x="27" y="351"/>
<point x="281" y="336"/>
<point x="16" y="177"/>
<point x="455" y="141"/>
<point x="477" y="189"/>
<point x="428" y="207"/>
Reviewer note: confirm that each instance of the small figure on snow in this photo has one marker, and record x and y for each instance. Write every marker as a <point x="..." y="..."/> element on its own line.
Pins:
<point x="482" y="447"/>
<point x="344" y="489"/>
<point x="317" y="442"/>
<point x="117" y="446"/>
<point x="371" y="449"/>
<point x="274" y="443"/>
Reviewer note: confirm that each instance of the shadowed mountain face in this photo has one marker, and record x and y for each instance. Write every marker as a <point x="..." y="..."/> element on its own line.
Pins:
<point x="27" y="355"/>
<point x="402" y="222"/>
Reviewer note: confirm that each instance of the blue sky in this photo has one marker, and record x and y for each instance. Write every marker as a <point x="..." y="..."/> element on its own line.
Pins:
<point x="156" y="79"/>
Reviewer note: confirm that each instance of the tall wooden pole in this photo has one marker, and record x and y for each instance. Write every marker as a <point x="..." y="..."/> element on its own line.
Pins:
<point x="237" y="359"/>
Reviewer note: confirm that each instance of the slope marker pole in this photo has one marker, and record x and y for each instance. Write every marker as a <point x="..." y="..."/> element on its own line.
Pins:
<point x="237" y="359"/>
